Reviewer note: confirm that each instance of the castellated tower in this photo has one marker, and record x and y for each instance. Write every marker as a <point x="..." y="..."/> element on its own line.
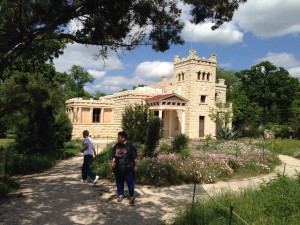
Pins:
<point x="194" y="78"/>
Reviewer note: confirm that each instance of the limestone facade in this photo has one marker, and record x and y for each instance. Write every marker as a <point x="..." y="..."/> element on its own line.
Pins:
<point x="183" y="102"/>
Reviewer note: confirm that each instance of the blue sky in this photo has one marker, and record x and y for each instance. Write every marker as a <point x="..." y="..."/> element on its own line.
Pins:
<point x="260" y="30"/>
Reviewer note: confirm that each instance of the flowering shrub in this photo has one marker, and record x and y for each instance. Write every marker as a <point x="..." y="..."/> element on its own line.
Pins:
<point x="226" y="159"/>
<point x="206" y="162"/>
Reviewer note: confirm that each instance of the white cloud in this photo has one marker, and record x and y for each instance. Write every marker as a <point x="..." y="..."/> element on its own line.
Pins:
<point x="224" y="65"/>
<point x="153" y="71"/>
<point x="227" y="34"/>
<point x="295" y="72"/>
<point x="267" y="18"/>
<point x="77" y="54"/>
<point x="97" y="74"/>
<point x="285" y="60"/>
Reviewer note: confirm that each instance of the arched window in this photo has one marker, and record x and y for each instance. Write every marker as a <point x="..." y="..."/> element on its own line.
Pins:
<point x="198" y="75"/>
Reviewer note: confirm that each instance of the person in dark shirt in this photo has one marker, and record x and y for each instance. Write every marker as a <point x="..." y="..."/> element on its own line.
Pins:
<point x="124" y="165"/>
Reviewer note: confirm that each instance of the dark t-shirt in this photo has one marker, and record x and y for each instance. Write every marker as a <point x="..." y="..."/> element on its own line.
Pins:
<point x="124" y="155"/>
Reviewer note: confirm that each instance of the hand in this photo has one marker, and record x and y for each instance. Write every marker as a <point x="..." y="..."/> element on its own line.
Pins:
<point x="136" y="168"/>
<point x="96" y="157"/>
<point x="113" y="165"/>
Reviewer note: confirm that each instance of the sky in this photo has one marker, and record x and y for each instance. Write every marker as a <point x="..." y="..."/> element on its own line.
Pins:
<point x="260" y="30"/>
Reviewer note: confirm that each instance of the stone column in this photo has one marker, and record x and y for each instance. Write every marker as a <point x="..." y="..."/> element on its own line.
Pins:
<point x="183" y="122"/>
<point x="160" y="113"/>
<point x="170" y="122"/>
<point x="80" y="115"/>
<point x="101" y="115"/>
<point x="91" y="115"/>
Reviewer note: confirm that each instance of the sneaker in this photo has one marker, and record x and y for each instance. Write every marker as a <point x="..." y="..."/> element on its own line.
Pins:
<point x="96" y="179"/>
<point x="131" y="201"/>
<point x="120" y="198"/>
<point x="84" y="181"/>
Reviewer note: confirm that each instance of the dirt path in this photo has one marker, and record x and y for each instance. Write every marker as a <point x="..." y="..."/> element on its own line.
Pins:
<point x="57" y="197"/>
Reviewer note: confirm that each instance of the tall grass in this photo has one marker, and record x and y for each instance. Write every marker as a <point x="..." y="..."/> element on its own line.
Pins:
<point x="276" y="202"/>
<point x="284" y="146"/>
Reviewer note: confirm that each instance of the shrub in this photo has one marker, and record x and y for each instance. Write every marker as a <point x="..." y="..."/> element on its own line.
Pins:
<point x="227" y="133"/>
<point x="180" y="142"/>
<point x="154" y="131"/>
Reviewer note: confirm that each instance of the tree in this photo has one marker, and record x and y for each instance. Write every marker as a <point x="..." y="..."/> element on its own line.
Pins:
<point x="154" y="134"/>
<point x="230" y="80"/>
<point x="142" y="126"/>
<point x="139" y="85"/>
<point x="75" y="81"/>
<point x="25" y="26"/>
<point x="99" y="94"/>
<point x="135" y="122"/>
<point x="31" y="104"/>
<point x="270" y="88"/>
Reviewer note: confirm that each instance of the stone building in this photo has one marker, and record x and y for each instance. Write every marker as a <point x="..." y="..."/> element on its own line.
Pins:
<point x="183" y="102"/>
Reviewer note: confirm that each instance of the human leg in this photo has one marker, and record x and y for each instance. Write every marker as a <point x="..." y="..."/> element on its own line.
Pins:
<point x="120" y="184"/>
<point x="130" y="180"/>
<point x="87" y="161"/>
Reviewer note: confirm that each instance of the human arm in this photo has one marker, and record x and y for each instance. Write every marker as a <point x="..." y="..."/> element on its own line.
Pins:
<point x="136" y="167"/>
<point x="84" y="147"/>
<point x="96" y="156"/>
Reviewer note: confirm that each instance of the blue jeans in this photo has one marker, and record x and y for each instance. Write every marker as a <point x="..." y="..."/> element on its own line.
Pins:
<point x="86" y="170"/>
<point x="129" y="178"/>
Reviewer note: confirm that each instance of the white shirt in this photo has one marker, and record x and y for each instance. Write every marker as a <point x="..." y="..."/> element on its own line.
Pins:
<point x="89" y="150"/>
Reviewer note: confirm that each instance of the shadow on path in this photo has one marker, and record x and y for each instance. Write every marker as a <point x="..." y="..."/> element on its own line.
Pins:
<point x="57" y="197"/>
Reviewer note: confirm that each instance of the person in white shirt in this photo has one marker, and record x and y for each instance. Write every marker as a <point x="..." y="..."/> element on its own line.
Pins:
<point x="88" y="150"/>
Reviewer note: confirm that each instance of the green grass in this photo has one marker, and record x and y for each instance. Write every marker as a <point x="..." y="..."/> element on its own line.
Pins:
<point x="276" y="202"/>
<point x="284" y="147"/>
<point x="6" y="186"/>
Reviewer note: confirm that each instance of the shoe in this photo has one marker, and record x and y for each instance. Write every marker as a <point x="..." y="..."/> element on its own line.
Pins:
<point x="131" y="201"/>
<point x="120" y="198"/>
<point x="96" y="179"/>
<point x="84" y="181"/>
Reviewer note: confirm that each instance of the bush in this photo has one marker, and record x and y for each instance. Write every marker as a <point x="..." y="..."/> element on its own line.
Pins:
<point x="227" y="133"/>
<point x="7" y="185"/>
<point x="154" y="133"/>
<point x="180" y="142"/>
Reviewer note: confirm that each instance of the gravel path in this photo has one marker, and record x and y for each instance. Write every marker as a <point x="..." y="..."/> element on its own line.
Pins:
<point x="57" y="197"/>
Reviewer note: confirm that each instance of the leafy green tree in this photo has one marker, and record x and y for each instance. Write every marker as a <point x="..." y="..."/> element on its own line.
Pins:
<point x="272" y="89"/>
<point x="142" y="126"/>
<point x="31" y="105"/>
<point x="230" y="80"/>
<point x="154" y="134"/>
<point x="99" y="94"/>
<point x="75" y="81"/>
<point x="135" y="122"/>
<point x="139" y="85"/>
<point x="246" y="113"/>
<point x="26" y="26"/>
<point x="221" y="114"/>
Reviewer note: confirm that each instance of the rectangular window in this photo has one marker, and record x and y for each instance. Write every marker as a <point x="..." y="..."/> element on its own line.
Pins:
<point x="202" y="98"/>
<point x="96" y="115"/>
<point x="201" y="126"/>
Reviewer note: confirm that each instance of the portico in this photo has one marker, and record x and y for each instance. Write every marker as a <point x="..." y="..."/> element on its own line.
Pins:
<point x="171" y="109"/>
